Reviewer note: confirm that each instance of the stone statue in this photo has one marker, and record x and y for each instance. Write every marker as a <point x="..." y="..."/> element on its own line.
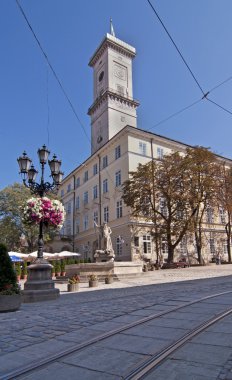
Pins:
<point x="106" y="251"/>
<point x="107" y="239"/>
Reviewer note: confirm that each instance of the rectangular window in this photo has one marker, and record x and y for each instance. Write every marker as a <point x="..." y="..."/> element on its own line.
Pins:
<point x="86" y="197"/>
<point x="68" y="227"/>
<point x="118" y="178"/>
<point x="164" y="248"/>
<point x="163" y="207"/>
<point x="86" y="176"/>
<point x="62" y="193"/>
<point x="117" y="152"/>
<point x="119" y="209"/>
<point x="118" y="246"/>
<point x="95" y="195"/>
<point x="145" y="205"/>
<point x="86" y="222"/>
<point x="106" y="214"/>
<point x="69" y="188"/>
<point x="78" y="182"/>
<point x="209" y="215"/>
<point x="142" y="148"/>
<point x="183" y="246"/>
<point x="224" y="248"/>
<point x="222" y="216"/>
<point x="212" y="246"/>
<point x="95" y="169"/>
<point x="95" y="216"/>
<point x="136" y="241"/>
<point x="77" y="202"/>
<point x="104" y="162"/>
<point x="146" y="244"/>
<point x="105" y="186"/>
<point x="160" y="153"/>
<point x="69" y="208"/>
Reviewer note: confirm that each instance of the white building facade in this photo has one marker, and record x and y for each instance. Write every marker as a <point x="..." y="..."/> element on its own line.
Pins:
<point x="92" y="192"/>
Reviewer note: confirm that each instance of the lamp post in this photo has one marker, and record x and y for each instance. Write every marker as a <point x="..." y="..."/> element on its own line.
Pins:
<point x="39" y="285"/>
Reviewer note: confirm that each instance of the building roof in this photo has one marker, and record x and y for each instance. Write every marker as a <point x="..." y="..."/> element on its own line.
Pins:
<point x="116" y="44"/>
<point x="139" y="131"/>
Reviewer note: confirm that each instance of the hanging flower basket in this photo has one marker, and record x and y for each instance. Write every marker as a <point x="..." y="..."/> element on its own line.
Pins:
<point x="50" y="211"/>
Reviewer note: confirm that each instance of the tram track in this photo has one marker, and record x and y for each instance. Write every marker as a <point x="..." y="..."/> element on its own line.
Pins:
<point x="144" y="367"/>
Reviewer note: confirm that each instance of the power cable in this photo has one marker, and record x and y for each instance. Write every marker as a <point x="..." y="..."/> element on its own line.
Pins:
<point x="58" y="80"/>
<point x="205" y="94"/>
<point x="162" y="121"/>
<point x="52" y="69"/>
<point x="220" y="84"/>
<point x="175" y="114"/>
<point x="178" y="50"/>
<point x="219" y="106"/>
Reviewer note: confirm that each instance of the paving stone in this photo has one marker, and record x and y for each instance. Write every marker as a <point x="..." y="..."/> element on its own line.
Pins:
<point x="39" y="323"/>
<point x="79" y="336"/>
<point x="115" y="362"/>
<point x="63" y="371"/>
<point x="150" y="331"/>
<point x="173" y="323"/>
<point x="106" y="326"/>
<point x="215" y="339"/>
<point x="176" y="370"/>
<point x="200" y="353"/>
<point x="135" y="344"/>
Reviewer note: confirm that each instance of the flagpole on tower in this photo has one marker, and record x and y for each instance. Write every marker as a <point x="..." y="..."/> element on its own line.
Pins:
<point x="111" y="28"/>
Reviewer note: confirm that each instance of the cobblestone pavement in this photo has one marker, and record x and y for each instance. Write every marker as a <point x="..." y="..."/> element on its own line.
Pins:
<point x="45" y="328"/>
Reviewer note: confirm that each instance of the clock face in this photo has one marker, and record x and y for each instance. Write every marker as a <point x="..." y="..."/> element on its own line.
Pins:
<point x="101" y="76"/>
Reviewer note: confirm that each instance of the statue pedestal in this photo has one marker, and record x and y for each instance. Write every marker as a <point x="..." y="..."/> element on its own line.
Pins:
<point x="118" y="270"/>
<point x="104" y="256"/>
<point x="39" y="285"/>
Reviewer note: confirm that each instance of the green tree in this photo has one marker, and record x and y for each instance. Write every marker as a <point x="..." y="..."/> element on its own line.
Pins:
<point x="224" y="197"/>
<point x="12" y="229"/>
<point x="8" y="281"/>
<point x="159" y="191"/>
<point x="203" y="172"/>
<point x="12" y="199"/>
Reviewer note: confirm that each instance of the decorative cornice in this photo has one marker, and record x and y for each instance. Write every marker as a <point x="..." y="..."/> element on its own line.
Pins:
<point x="114" y="43"/>
<point x="111" y="95"/>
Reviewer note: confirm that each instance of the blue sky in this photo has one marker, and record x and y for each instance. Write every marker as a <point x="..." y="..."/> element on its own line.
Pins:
<point x="70" y="31"/>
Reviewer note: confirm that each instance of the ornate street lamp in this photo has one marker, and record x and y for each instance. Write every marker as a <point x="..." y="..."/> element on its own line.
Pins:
<point x="39" y="285"/>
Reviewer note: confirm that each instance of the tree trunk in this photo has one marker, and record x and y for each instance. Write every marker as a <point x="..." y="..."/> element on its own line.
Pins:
<point x="170" y="253"/>
<point x="228" y="233"/>
<point x="198" y="240"/>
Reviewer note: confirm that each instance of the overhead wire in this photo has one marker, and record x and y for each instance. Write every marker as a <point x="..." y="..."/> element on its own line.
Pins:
<point x="219" y="106"/>
<point x="52" y="69"/>
<point x="205" y="94"/>
<point x="220" y="84"/>
<point x="176" y="47"/>
<point x="176" y="113"/>
<point x="58" y="80"/>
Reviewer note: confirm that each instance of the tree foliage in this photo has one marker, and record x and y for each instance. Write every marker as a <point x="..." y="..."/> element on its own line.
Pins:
<point x="224" y="198"/>
<point x="203" y="171"/>
<point x="8" y="282"/>
<point x="172" y="193"/>
<point x="12" y="230"/>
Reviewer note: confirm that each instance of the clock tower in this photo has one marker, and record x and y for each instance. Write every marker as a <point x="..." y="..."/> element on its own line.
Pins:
<point x="113" y="107"/>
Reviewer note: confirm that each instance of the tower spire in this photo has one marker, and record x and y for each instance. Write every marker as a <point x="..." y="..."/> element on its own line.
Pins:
<point x="111" y="28"/>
